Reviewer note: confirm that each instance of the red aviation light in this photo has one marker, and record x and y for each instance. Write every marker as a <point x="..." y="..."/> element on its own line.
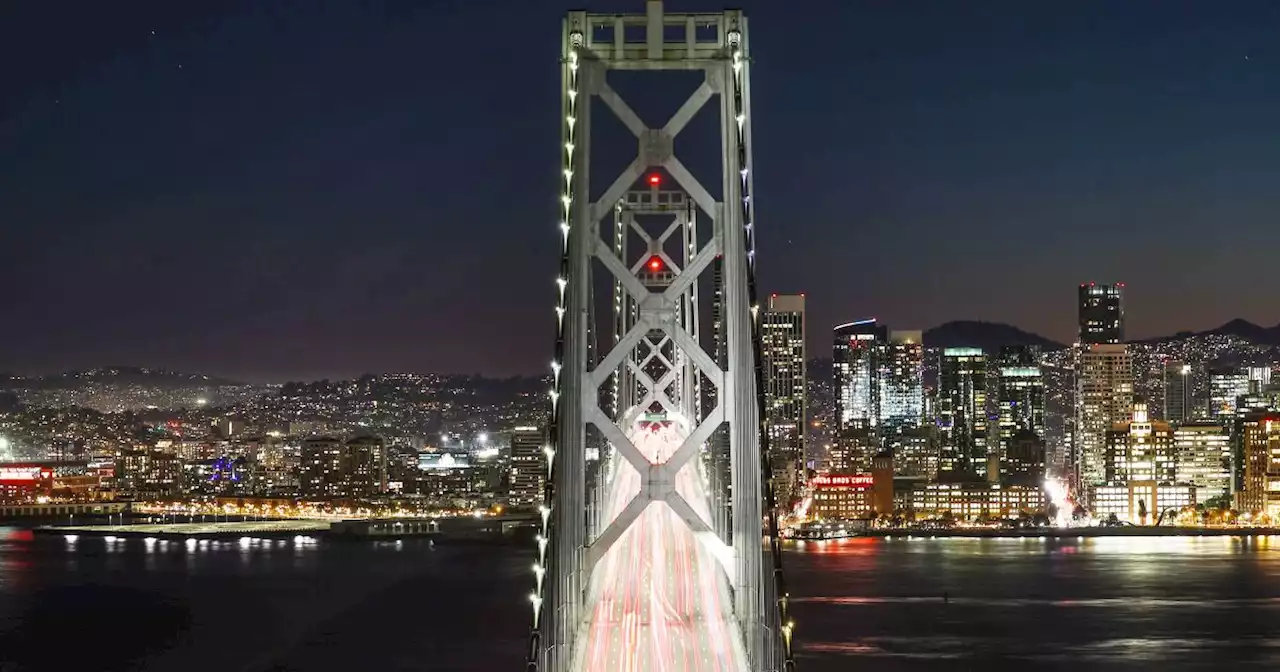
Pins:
<point x="655" y="264"/>
<point x="655" y="180"/>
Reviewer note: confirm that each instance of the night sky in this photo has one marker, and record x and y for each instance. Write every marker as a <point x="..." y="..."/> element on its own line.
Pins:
<point x="315" y="188"/>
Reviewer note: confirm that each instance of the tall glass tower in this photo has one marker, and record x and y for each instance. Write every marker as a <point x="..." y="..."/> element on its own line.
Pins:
<point x="901" y="384"/>
<point x="855" y="363"/>
<point x="962" y="412"/>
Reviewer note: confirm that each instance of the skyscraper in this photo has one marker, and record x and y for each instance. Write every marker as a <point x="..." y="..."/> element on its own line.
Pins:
<point x="1104" y="397"/>
<point x="1021" y="406"/>
<point x="962" y="412"/>
<point x="528" y="468"/>
<point x="901" y="382"/>
<point x="783" y="358"/>
<point x="855" y="365"/>
<point x="1177" y="392"/>
<point x="1101" y="313"/>
<point x="1226" y="386"/>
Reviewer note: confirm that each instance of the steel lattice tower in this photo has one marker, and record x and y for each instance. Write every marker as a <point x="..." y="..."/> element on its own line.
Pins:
<point x="656" y="359"/>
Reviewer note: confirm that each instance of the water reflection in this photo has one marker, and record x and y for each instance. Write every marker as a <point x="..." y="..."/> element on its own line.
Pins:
<point x="1028" y="603"/>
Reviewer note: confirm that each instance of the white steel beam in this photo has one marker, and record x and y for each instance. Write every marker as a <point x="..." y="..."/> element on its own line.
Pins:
<point x="574" y="536"/>
<point x="685" y="114"/>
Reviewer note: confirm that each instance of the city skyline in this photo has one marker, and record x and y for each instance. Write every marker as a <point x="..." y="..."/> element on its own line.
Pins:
<point x="214" y="199"/>
<point x="163" y="221"/>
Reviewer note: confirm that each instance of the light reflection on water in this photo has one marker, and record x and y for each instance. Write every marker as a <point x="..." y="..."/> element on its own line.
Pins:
<point x="1029" y="604"/>
<point x="923" y="604"/>
<point x="176" y="604"/>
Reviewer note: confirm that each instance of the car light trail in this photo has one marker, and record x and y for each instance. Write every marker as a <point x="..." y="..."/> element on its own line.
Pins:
<point x="660" y="598"/>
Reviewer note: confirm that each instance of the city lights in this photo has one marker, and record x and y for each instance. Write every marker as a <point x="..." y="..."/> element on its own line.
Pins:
<point x="655" y="451"/>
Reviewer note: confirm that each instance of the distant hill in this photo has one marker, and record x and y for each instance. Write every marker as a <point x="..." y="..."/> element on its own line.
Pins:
<point x="115" y="375"/>
<point x="989" y="336"/>
<point x="1249" y="331"/>
<point x="1243" y="329"/>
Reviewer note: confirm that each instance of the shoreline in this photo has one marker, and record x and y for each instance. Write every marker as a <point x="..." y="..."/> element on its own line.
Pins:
<point x="1067" y="533"/>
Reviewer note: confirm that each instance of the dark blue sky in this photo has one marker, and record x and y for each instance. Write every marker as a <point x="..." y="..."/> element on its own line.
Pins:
<point x="323" y="187"/>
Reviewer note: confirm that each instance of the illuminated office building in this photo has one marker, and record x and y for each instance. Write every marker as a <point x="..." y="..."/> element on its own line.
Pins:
<point x="1101" y="313"/>
<point x="855" y="363"/>
<point x="915" y="452"/>
<point x="783" y="358"/>
<point x="1141" y="472"/>
<point x="901" y="382"/>
<point x="1104" y="397"/>
<point x="1203" y="452"/>
<point x="843" y="496"/>
<point x="1140" y="450"/>
<point x="146" y="473"/>
<point x="528" y="468"/>
<point x="856" y="354"/>
<point x="972" y="501"/>
<point x="1021" y="407"/>
<point x="1177" y="392"/>
<point x="1259" y="378"/>
<point x="1260" y="436"/>
<point x="320" y="471"/>
<point x="366" y="473"/>
<point x="962" y="413"/>
<point x="1141" y="502"/>
<point x="1226" y="386"/>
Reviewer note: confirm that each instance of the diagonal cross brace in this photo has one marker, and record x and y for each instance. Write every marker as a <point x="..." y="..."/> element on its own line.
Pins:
<point x="669" y="131"/>
<point x="658" y="486"/>
<point x="654" y="391"/>
<point x="613" y="360"/>
<point x="622" y="110"/>
<point x="613" y="532"/>
<point x="620" y="442"/>
<point x="655" y="350"/>
<point x="697" y="265"/>
<point x="611" y="261"/>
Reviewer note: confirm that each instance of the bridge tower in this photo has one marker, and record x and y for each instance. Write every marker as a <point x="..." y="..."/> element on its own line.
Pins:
<point x="621" y="242"/>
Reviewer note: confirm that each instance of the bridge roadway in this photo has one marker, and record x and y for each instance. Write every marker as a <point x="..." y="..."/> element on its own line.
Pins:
<point x="660" y="598"/>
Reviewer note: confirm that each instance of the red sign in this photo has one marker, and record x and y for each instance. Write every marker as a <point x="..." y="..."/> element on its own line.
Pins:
<point x="20" y="475"/>
<point x="843" y="481"/>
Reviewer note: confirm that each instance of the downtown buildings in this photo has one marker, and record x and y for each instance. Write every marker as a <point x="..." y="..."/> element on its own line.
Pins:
<point x="879" y="397"/>
<point x="1140" y="472"/>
